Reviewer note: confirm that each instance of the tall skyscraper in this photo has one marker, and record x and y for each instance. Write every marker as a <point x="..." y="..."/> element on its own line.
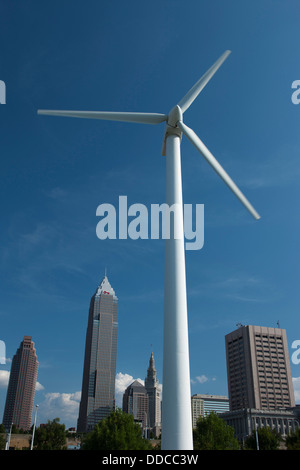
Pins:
<point x="152" y="387"/>
<point x="99" y="373"/>
<point x="258" y="369"/>
<point x="21" y="386"/>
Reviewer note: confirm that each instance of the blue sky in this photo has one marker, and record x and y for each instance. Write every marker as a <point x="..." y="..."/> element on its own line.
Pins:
<point x="138" y="56"/>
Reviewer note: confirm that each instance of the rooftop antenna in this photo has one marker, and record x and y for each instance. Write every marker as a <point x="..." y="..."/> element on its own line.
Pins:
<point x="176" y="411"/>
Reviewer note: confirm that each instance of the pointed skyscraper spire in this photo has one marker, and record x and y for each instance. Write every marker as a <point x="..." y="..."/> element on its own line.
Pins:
<point x="152" y="387"/>
<point x="151" y="362"/>
<point x="105" y="287"/>
<point x="151" y="378"/>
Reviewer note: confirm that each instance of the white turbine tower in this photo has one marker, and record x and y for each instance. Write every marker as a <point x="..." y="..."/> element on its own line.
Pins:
<point x="176" y="411"/>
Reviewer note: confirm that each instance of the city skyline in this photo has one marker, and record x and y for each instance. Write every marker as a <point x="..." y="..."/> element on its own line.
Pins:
<point x="124" y="382"/>
<point x="56" y="173"/>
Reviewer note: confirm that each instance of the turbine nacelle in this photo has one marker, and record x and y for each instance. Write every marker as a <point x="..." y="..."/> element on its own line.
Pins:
<point x="174" y="116"/>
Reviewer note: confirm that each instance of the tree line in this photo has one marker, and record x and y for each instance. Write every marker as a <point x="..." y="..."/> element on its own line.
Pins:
<point x="119" y="431"/>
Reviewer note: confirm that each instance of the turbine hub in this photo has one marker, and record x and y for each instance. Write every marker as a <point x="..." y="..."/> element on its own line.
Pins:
<point x="174" y="116"/>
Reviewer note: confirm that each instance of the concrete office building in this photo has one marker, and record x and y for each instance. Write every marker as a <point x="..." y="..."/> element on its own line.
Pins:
<point x="99" y="373"/>
<point x="258" y="369"/>
<point x="21" y="387"/>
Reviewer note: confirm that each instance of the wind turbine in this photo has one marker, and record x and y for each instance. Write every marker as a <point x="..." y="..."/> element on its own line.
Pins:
<point x="176" y="411"/>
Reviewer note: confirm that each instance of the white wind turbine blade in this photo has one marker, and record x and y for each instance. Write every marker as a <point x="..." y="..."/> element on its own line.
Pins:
<point x="192" y="94"/>
<point x="143" y="118"/>
<point x="190" y="134"/>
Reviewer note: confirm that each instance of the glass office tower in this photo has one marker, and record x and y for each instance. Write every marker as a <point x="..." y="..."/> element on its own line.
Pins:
<point x="99" y="373"/>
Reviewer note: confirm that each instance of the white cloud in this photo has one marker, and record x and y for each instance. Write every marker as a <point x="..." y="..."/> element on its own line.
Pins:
<point x="296" y="384"/>
<point x="64" y="406"/>
<point x="39" y="387"/>
<point x="122" y="382"/>
<point x="4" y="378"/>
<point x="201" y="379"/>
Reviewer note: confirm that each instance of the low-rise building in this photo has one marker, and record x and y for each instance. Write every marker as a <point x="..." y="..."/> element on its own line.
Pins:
<point x="202" y="405"/>
<point x="247" y="420"/>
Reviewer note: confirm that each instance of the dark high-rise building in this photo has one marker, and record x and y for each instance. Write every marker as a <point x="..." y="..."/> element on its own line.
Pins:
<point x="99" y="373"/>
<point x="21" y="386"/>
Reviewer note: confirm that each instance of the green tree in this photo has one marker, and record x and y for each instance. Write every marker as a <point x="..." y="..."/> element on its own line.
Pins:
<point x="51" y="436"/>
<point x="293" y="440"/>
<point x="2" y="437"/>
<point x="268" y="439"/>
<point x="212" y="433"/>
<point x="2" y="441"/>
<point x="16" y="430"/>
<point x="118" y="431"/>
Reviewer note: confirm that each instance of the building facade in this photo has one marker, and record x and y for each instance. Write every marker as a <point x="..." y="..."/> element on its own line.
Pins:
<point x="247" y="420"/>
<point x="136" y="403"/>
<point x="21" y="387"/>
<point x="258" y="369"/>
<point x="154" y="394"/>
<point x="99" y="372"/>
<point x="202" y="405"/>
